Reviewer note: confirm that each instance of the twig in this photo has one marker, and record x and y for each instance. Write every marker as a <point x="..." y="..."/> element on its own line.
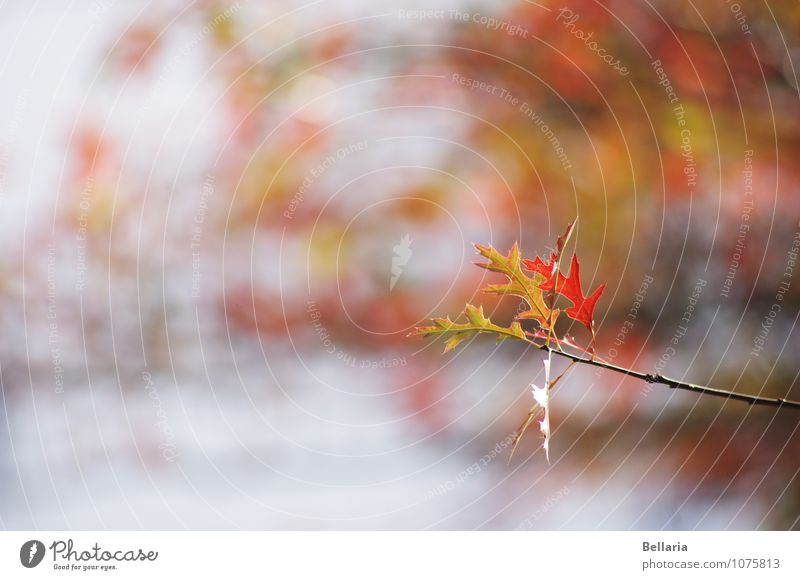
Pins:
<point x="674" y="384"/>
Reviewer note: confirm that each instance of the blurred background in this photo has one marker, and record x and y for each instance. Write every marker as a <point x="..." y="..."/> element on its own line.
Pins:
<point x="220" y="220"/>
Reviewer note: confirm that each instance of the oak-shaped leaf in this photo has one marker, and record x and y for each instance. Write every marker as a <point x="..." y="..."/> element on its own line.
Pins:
<point x="519" y="283"/>
<point x="548" y="270"/>
<point x="583" y="306"/>
<point x="477" y="322"/>
<point x="569" y="286"/>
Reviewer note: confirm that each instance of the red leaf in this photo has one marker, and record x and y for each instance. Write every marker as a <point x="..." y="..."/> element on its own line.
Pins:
<point x="546" y="270"/>
<point x="562" y="239"/>
<point x="570" y="288"/>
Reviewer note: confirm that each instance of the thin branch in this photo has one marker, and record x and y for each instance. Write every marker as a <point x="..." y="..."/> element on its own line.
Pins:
<point x="674" y="384"/>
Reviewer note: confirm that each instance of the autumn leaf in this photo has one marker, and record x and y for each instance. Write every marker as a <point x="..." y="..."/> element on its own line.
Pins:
<point x="519" y="284"/>
<point x="539" y="292"/>
<point x="564" y="238"/>
<point x="569" y="287"/>
<point x="546" y="271"/>
<point x="477" y="322"/>
<point x="583" y="306"/>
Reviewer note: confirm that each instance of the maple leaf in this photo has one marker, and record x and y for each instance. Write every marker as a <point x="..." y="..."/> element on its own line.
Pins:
<point x="519" y="284"/>
<point x="477" y="322"/>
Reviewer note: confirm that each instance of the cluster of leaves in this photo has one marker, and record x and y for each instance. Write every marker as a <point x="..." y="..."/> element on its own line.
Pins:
<point x="539" y="285"/>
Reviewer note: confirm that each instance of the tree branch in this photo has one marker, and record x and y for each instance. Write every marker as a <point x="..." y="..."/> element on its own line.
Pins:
<point x="674" y="384"/>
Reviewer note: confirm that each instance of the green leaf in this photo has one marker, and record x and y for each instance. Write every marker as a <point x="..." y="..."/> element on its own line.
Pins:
<point x="476" y="323"/>
<point x="519" y="284"/>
